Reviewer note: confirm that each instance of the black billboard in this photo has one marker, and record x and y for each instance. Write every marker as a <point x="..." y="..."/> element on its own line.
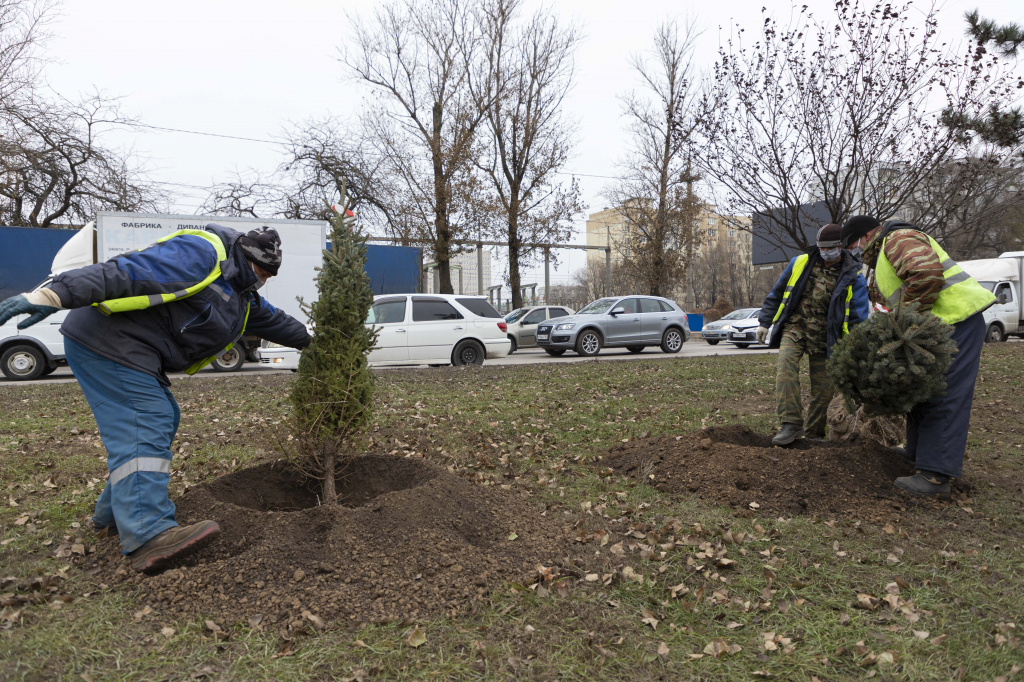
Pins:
<point x="773" y="245"/>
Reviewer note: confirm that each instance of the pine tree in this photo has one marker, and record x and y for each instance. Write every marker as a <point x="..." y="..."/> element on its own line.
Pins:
<point x="332" y="399"/>
<point x="892" y="362"/>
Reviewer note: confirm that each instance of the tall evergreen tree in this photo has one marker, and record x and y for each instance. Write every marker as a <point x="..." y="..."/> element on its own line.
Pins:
<point x="332" y="399"/>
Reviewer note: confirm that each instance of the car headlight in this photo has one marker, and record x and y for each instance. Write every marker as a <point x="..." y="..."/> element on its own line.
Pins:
<point x="563" y="327"/>
<point x="728" y="328"/>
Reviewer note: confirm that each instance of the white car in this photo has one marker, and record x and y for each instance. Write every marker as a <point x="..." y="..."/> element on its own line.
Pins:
<point x="424" y="329"/>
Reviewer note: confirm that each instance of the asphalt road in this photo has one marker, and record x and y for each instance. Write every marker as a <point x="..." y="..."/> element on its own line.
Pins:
<point x="528" y="356"/>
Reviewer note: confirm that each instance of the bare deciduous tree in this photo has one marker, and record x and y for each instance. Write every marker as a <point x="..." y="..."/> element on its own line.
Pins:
<point x="419" y="59"/>
<point x="529" y="71"/>
<point x="55" y="168"/>
<point x="22" y="28"/>
<point x="847" y="111"/>
<point x="655" y="189"/>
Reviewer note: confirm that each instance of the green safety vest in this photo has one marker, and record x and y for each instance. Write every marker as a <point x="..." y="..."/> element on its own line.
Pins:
<point x="961" y="296"/>
<point x="128" y="303"/>
<point x="794" y="277"/>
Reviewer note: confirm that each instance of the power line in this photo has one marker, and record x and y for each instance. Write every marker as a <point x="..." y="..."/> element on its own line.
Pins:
<point x="278" y="142"/>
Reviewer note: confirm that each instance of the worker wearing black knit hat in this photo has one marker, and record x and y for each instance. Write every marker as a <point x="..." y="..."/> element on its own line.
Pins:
<point x="819" y="296"/>
<point x="173" y="306"/>
<point x="908" y="266"/>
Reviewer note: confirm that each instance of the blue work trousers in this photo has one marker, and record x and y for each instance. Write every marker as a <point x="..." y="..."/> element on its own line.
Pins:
<point x="138" y="418"/>
<point x="937" y="429"/>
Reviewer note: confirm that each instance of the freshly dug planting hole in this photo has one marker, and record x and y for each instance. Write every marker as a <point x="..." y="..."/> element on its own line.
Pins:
<point x="280" y="487"/>
<point x="415" y="540"/>
<point x="733" y="465"/>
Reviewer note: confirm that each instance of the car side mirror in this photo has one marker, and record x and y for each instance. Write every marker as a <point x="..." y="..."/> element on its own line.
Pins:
<point x="618" y="311"/>
<point x="1003" y="299"/>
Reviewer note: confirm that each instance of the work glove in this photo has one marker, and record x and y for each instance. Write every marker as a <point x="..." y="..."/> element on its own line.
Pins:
<point x="762" y="334"/>
<point x="37" y="305"/>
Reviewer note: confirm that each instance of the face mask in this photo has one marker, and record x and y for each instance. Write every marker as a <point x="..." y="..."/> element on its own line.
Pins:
<point x="831" y="254"/>
<point x="259" y="280"/>
<point x="857" y="252"/>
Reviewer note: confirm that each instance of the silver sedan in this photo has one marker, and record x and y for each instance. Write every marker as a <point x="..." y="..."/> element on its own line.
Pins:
<point x="630" y="322"/>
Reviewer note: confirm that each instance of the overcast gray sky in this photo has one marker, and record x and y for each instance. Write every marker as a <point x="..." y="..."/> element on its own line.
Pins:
<point x="247" y="67"/>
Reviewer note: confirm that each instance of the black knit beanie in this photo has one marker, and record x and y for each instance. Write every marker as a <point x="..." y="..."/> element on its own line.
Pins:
<point x="262" y="246"/>
<point x="856" y="227"/>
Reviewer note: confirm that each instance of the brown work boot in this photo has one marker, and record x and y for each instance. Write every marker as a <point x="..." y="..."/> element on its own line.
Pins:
<point x="164" y="549"/>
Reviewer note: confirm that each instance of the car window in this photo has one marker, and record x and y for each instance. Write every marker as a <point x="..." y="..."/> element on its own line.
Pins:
<point x="665" y="307"/>
<point x="534" y="317"/>
<point x="1004" y="289"/>
<point x="384" y="312"/>
<point x="516" y="314"/>
<point x="433" y="309"/>
<point x="478" y="306"/>
<point x="558" y="312"/>
<point x="649" y="305"/>
<point x="734" y="315"/>
<point x="629" y="305"/>
<point x="753" y="312"/>
<point x="601" y="305"/>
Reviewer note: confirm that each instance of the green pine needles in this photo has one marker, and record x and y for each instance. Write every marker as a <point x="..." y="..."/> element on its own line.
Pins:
<point x="332" y="399"/>
<point x="892" y="362"/>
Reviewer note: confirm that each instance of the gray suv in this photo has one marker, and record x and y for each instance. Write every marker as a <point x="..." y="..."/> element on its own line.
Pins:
<point x="630" y="322"/>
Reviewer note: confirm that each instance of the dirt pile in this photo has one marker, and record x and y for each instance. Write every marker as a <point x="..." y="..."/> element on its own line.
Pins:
<point x="735" y="466"/>
<point x="413" y="540"/>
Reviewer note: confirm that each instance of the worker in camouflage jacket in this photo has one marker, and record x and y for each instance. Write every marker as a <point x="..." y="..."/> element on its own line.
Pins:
<point x="171" y="307"/>
<point x="818" y="298"/>
<point x="907" y="266"/>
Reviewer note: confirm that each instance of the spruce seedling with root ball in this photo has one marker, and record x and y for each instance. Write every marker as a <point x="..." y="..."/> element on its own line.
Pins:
<point x="893" y="361"/>
<point x="332" y="399"/>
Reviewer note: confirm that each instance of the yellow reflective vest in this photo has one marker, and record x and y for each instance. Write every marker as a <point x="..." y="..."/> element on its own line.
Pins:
<point x="961" y="296"/>
<point x="799" y="264"/>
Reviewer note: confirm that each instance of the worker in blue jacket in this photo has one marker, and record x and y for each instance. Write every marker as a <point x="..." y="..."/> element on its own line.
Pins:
<point x="171" y="307"/>
<point x="818" y="298"/>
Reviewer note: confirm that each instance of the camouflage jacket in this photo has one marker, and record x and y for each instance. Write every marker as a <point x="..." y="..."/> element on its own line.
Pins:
<point x="908" y="251"/>
<point x="809" y="322"/>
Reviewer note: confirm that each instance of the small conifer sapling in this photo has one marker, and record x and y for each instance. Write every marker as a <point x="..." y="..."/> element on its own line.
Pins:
<point x="332" y="398"/>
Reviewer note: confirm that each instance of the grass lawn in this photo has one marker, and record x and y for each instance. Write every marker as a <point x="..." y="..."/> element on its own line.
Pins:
<point x="935" y="594"/>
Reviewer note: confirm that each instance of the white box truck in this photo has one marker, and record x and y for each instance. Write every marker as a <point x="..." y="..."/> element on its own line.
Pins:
<point x="36" y="351"/>
<point x="1003" y="277"/>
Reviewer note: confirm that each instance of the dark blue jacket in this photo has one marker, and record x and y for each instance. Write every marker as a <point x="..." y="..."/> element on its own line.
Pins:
<point x="172" y="336"/>
<point x="849" y="274"/>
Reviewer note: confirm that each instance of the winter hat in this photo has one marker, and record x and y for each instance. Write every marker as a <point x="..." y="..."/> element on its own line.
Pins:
<point x="856" y="227"/>
<point x="828" y="236"/>
<point x="262" y="246"/>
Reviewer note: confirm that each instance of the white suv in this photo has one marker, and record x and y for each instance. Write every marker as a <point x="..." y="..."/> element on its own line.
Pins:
<point x="424" y="329"/>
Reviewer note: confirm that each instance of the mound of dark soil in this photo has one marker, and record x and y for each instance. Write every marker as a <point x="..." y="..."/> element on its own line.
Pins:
<point x="735" y="466"/>
<point x="412" y="540"/>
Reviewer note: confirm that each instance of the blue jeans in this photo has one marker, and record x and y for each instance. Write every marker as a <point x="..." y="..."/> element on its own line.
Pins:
<point x="137" y="418"/>
<point x="937" y="429"/>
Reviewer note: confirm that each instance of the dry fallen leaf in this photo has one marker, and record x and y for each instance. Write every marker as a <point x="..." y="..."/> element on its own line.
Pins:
<point x="663" y="650"/>
<point x="167" y="632"/>
<point x="649" y="619"/>
<point x="719" y="647"/>
<point x="416" y="638"/>
<point x="938" y="640"/>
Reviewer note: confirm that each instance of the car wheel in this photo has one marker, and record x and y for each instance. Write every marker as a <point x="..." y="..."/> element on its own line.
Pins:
<point x="712" y="342"/>
<point x="23" y="363"/>
<point x="468" y="353"/>
<point x="742" y="345"/>
<point x="672" y="340"/>
<point x="556" y="352"/>
<point x="635" y="349"/>
<point x="515" y="346"/>
<point x="588" y="343"/>
<point x="50" y="369"/>
<point x="231" y="361"/>
<point x="994" y="334"/>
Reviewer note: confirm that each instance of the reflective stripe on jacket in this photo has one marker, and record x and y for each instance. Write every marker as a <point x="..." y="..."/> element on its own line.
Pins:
<point x="120" y="305"/>
<point x="961" y="296"/>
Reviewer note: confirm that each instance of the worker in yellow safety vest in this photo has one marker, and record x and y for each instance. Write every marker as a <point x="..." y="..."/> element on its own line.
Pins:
<point x="910" y="267"/>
